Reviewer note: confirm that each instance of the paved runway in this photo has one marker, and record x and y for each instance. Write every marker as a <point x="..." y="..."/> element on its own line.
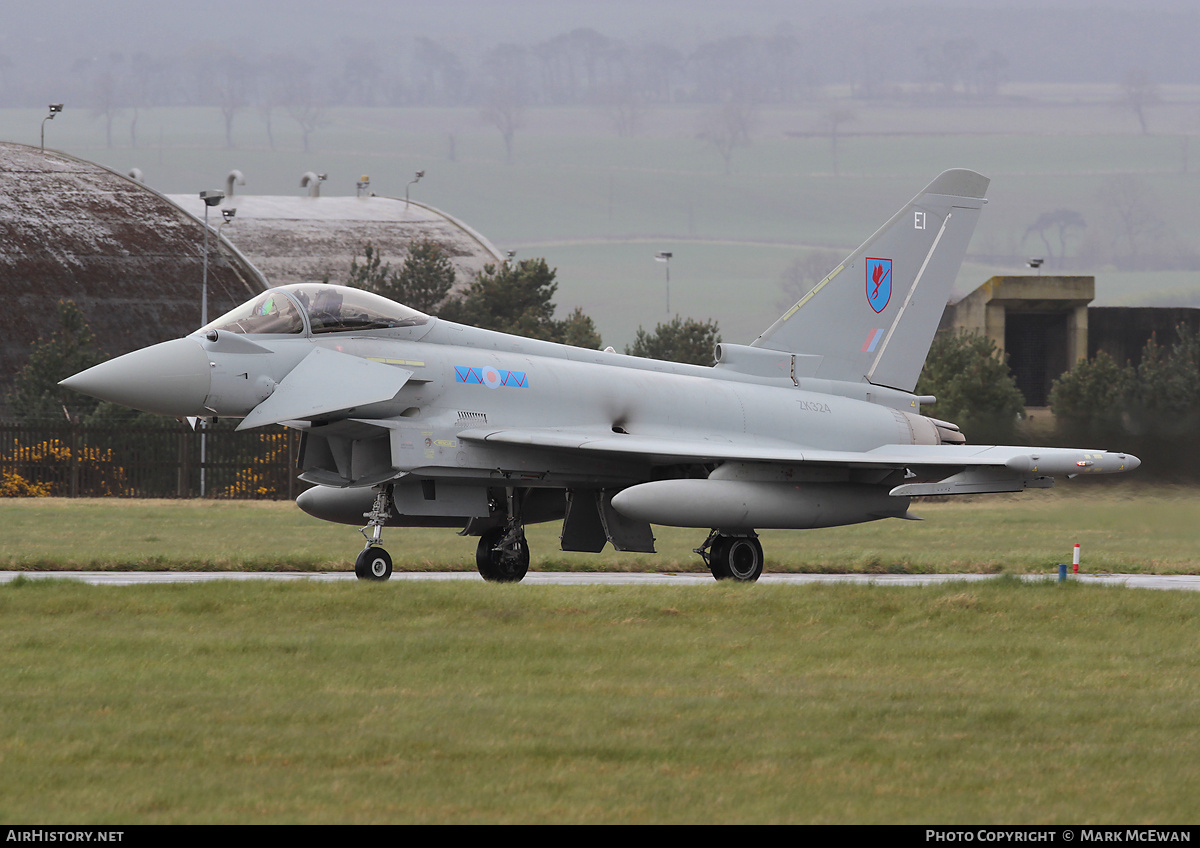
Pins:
<point x="561" y="578"/>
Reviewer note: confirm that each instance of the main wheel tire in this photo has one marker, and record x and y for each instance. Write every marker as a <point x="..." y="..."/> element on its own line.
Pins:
<point x="718" y="558"/>
<point x="745" y="558"/>
<point x="501" y="566"/>
<point x="736" y="558"/>
<point x="374" y="563"/>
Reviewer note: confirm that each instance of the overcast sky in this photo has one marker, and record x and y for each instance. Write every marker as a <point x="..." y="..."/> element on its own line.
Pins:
<point x="52" y="34"/>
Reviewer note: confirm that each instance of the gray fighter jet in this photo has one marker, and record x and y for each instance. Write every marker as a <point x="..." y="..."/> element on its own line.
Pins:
<point x="408" y="420"/>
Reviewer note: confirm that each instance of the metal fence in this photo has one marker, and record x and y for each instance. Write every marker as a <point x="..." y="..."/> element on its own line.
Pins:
<point x="169" y="461"/>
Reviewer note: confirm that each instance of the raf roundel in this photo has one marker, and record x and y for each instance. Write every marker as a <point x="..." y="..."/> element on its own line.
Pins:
<point x="491" y="377"/>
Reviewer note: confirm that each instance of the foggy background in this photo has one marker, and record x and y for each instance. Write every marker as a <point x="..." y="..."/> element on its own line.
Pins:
<point x="384" y="53"/>
<point x="748" y="137"/>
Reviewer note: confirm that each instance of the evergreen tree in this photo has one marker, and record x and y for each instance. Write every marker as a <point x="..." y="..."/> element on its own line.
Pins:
<point x="1161" y="397"/>
<point x="579" y="330"/>
<point x="1164" y="397"/>
<point x="679" y="340"/>
<point x="423" y="281"/>
<point x="1089" y="400"/>
<point x="517" y="298"/>
<point x="372" y="274"/>
<point x="973" y="387"/>
<point x="70" y="349"/>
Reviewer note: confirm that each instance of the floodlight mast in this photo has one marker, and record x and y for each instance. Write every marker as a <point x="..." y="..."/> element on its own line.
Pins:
<point x="665" y="256"/>
<point x="415" y="179"/>
<point x="55" y="108"/>
<point x="227" y="213"/>
<point x="210" y="198"/>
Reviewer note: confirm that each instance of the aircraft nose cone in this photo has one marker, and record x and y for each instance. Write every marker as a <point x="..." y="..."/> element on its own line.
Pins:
<point x="171" y="378"/>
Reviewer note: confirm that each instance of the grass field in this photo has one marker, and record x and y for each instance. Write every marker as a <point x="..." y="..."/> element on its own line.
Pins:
<point x="1000" y="702"/>
<point x="1121" y="528"/>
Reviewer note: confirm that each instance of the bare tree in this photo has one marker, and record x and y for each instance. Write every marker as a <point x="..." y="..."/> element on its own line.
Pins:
<point x="269" y="90"/>
<point x="303" y="102"/>
<point x="439" y="74"/>
<point x="146" y="86"/>
<point x="622" y="104"/>
<point x="362" y="74"/>
<point x="230" y="81"/>
<point x="1135" y="222"/>
<point x="1137" y="94"/>
<point x="727" y="127"/>
<point x="727" y="69"/>
<point x="805" y="272"/>
<point x="1061" y="220"/>
<point x="310" y="116"/>
<point x="557" y="77"/>
<point x="507" y="93"/>
<point x="948" y="63"/>
<point x="106" y="89"/>
<point x="990" y="73"/>
<point x="654" y="66"/>
<point x="834" y="118"/>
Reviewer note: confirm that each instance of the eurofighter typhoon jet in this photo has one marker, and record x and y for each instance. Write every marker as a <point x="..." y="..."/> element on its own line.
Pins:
<point x="412" y="421"/>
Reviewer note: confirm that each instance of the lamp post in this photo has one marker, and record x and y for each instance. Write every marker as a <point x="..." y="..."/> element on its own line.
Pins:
<point x="415" y="179"/>
<point x="210" y="198"/>
<point x="665" y="257"/>
<point x="55" y="108"/>
<point x="227" y="214"/>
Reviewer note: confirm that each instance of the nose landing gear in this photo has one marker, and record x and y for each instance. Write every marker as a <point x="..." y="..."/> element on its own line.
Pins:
<point x="374" y="563"/>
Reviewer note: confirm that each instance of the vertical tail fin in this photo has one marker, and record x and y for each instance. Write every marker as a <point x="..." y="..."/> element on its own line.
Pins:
<point x="874" y="317"/>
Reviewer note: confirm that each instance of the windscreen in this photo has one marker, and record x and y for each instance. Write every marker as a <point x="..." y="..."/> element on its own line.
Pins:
<point x="336" y="309"/>
<point x="270" y="312"/>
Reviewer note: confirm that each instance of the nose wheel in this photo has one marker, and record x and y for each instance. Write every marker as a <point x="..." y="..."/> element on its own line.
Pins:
<point x="374" y="563"/>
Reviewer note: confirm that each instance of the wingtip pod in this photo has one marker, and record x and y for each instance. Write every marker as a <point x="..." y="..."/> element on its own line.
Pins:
<point x="1066" y="462"/>
<point x="959" y="182"/>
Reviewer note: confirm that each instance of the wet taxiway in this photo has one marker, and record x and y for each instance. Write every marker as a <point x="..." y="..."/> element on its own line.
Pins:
<point x="562" y="578"/>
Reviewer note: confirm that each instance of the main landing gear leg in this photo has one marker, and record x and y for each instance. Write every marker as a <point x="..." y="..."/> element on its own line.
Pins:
<point x="374" y="563"/>
<point x="731" y="557"/>
<point x="503" y="554"/>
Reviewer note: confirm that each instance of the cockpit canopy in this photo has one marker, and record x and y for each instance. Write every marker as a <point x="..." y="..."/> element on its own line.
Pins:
<point x="316" y="308"/>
